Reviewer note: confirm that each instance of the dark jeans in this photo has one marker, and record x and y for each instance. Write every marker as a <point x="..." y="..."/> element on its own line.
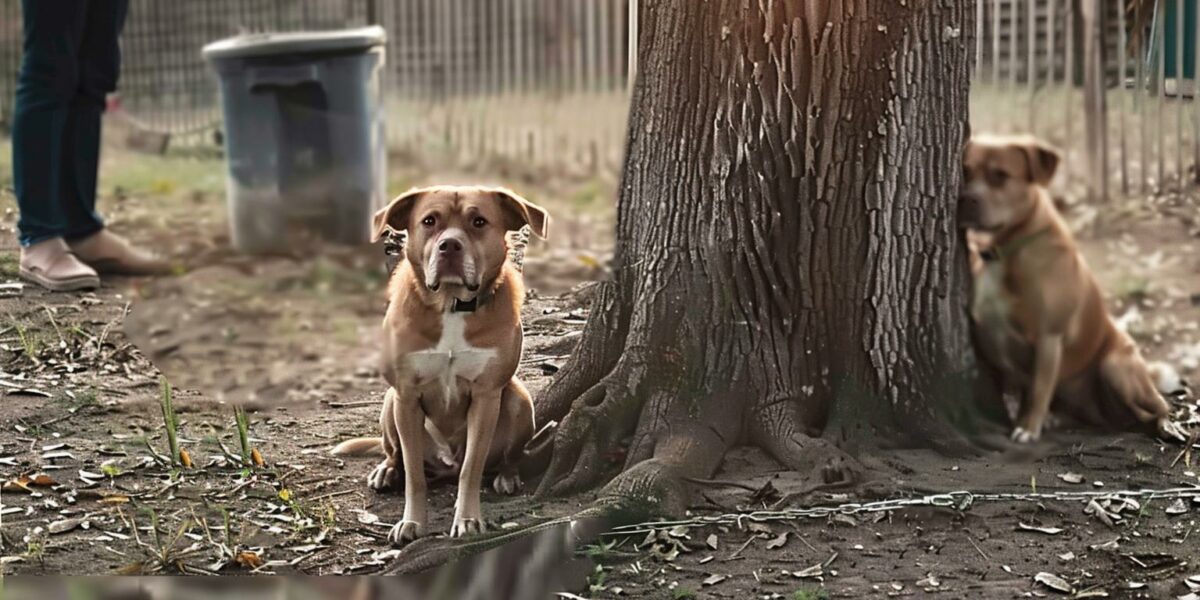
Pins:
<point x="70" y="61"/>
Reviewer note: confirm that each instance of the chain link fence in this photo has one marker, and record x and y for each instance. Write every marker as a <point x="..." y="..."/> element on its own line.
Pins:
<point x="536" y="80"/>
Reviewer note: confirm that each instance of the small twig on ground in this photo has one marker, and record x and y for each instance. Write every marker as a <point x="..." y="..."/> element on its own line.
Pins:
<point x="107" y="326"/>
<point x="352" y="404"/>
<point x="721" y="482"/>
<point x="333" y="495"/>
<point x="977" y="548"/>
<point x="804" y="541"/>
<point x="57" y="419"/>
<point x="743" y="547"/>
<point x="812" y="489"/>
<point x="1187" y="450"/>
<point x="50" y="314"/>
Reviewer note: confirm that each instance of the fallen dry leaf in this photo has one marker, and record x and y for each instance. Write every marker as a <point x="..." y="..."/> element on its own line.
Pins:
<point x="713" y="580"/>
<point x="1054" y="582"/>
<point x="65" y="525"/>
<point x="1045" y="530"/>
<point x="778" y="542"/>
<point x="24" y="482"/>
<point x="248" y="559"/>
<point x="1071" y="477"/>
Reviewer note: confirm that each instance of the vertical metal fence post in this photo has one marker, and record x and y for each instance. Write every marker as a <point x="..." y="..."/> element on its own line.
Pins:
<point x="1031" y="68"/>
<point x="1160" y="87"/>
<point x="1122" y="104"/>
<point x="1179" y="90"/>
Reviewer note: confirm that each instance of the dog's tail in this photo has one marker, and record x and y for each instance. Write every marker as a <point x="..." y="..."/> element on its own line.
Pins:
<point x="368" y="446"/>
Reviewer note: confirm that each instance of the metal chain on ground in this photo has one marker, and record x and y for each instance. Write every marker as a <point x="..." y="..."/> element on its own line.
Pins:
<point x="960" y="500"/>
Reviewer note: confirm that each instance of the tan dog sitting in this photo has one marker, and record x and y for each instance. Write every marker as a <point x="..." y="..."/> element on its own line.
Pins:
<point x="452" y="344"/>
<point x="1039" y="317"/>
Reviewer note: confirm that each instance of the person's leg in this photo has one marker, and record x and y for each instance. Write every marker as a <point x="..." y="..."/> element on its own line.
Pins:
<point x="46" y="89"/>
<point x="99" y="69"/>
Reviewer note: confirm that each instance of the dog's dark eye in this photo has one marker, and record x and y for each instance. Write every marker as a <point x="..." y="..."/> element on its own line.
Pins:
<point x="479" y="222"/>
<point x="997" y="177"/>
<point x="428" y="221"/>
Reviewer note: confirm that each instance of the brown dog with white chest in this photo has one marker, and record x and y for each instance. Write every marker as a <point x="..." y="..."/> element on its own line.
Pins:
<point x="1039" y="316"/>
<point x="452" y="342"/>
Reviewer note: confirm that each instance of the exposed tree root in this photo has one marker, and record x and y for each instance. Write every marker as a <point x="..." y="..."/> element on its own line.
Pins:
<point x="586" y="443"/>
<point x="604" y="340"/>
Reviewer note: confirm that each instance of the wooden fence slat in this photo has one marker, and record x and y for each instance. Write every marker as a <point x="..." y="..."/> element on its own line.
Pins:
<point x="1196" y="99"/>
<point x="996" y="42"/>
<point x="1051" y="49"/>
<point x="1069" y="72"/>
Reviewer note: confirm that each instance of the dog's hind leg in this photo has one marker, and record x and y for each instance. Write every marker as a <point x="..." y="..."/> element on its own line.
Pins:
<point x="387" y="473"/>
<point x="513" y="432"/>
<point x="1128" y="381"/>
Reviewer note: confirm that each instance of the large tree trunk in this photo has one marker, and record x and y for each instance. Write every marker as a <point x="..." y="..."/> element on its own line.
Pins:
<point x="788" y="269"/>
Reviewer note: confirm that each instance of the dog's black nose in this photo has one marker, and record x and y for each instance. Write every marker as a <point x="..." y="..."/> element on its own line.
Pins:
<point x="449" y="246"/>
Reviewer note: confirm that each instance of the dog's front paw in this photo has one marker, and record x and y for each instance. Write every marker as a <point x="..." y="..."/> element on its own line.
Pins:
<point x="1021" y="435"/>
<point x="405" y="532"/>
<point x="508" y="483"/>
<point x="385" y="475"/>
<point x="464" y="526"/>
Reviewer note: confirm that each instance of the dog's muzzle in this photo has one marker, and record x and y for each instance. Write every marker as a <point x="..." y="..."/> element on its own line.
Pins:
<point x="451" y="260"/>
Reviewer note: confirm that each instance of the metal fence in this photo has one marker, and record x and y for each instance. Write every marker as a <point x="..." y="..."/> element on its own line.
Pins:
<point x="1110" y="82"/>
<point x="536" y="80"/>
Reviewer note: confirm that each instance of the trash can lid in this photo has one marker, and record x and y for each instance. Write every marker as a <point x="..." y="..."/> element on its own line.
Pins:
<point x="301" y="42"/>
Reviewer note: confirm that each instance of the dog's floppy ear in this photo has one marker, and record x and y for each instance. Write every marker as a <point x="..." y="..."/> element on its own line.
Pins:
<point x="395" y="215"/>
<point x="521" y="212"/>
<point x="1042" y="160"/>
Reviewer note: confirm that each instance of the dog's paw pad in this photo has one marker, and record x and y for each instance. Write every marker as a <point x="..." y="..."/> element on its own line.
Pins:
<point x="508" y="484"/>
<point x="463" y="527"/>
<point x="405" y="532"/>
<point x="383" y="476"/>
<point x="1021" y="435"/>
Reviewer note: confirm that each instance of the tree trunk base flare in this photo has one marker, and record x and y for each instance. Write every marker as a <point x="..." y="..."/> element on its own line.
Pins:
<point x="789" y="273"/>
<point x="650" y="440"/>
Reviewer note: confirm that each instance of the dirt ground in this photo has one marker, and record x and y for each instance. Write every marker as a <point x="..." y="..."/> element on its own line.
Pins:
<point x="296" y="338"/>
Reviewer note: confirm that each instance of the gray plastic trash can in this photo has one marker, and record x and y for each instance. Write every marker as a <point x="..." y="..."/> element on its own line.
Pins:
<point x="304" y="134"/>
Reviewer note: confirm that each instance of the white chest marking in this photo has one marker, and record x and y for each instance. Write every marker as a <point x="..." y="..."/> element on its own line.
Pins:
<point x="452" y="358"/>
<point x="999" y="338"/>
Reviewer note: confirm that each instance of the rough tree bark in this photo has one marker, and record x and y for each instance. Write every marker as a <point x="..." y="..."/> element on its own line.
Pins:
<point x="789" y="274"/>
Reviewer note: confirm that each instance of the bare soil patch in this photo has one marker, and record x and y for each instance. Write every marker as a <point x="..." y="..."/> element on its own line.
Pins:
<point x="297" y="336"/>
